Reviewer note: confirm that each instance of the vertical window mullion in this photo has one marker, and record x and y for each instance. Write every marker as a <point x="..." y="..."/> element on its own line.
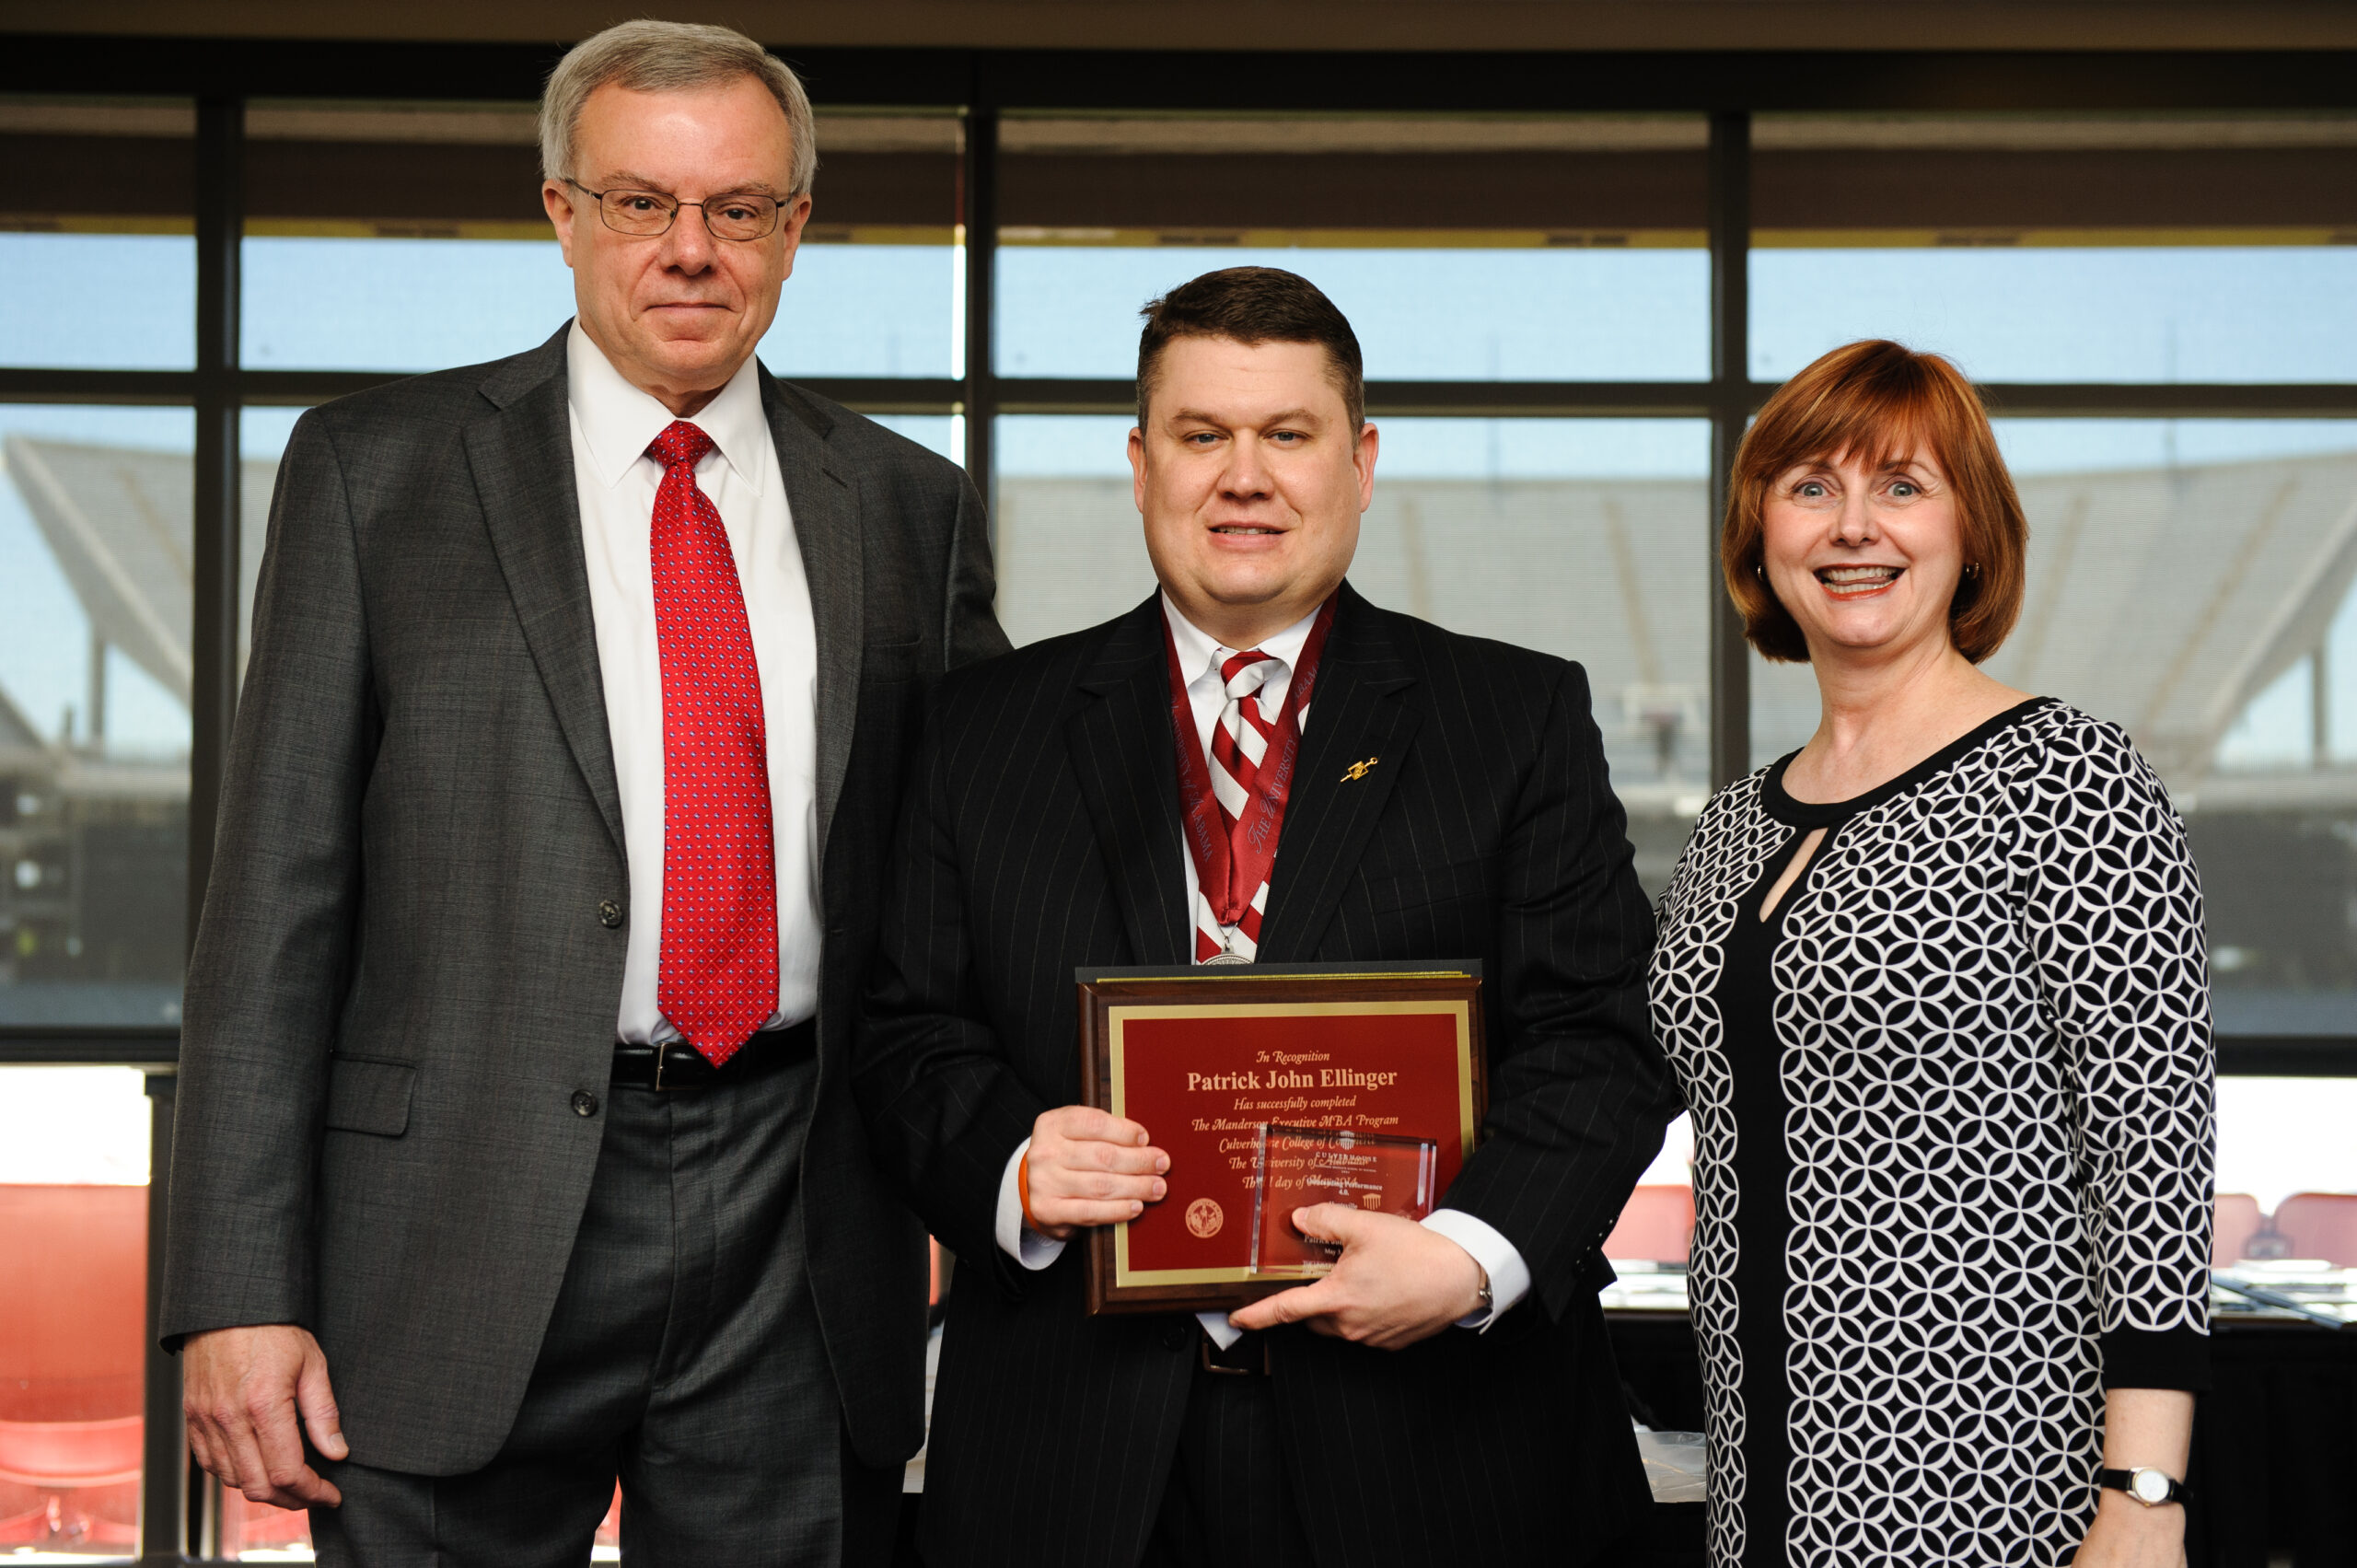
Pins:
<point x="1730" y="201"/>
<point x="164" y="1514"/>
<point x="220" y="221"/>
<point x="978" y="211"/>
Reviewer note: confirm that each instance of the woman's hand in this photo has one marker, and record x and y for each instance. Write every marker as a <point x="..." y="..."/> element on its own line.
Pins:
<point x="2140" y="1426"/>
<point x="2126" y="1534"/>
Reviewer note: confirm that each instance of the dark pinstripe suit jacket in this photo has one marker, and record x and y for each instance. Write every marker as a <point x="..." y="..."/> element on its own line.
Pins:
<point x="1041" y="833"/>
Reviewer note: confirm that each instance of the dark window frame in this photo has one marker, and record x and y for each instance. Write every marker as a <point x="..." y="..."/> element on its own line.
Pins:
<point x="222" y="74"/>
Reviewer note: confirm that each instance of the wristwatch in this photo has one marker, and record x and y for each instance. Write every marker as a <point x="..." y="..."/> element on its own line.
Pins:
<point x="2146" y="1484"/>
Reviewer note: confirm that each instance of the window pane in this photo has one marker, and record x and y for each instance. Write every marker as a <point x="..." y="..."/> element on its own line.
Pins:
<point x="1066" y="538"/>
<point x="2191" y="581"/>
<point x="941" y="433"/>
<point x="263" y="432"/>
<point x="74" y="1144"/>
<point x="102" y="198"/>
<point x="1582" y="538"/>
<point x="1586" y="539"/>
<point x="411" y="238"/>
<point x="262" y="435"/>
<point x="2287" y="1189"/>
<point x="1649" y="1245"/>
<point x="1563" y="248"/>
<point x="96" y="540"/>
<point x="2083" y="248"/>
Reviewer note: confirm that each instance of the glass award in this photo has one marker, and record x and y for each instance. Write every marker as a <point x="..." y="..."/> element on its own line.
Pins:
<point x="1295" y="1166"/>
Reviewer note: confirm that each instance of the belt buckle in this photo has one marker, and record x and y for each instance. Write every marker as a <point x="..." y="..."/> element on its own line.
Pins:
<point x="1203" y="1359"/>
<point x="662" y="1050"/>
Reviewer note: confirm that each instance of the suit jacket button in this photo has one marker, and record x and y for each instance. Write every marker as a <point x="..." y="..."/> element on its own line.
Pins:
<point x="610" y="913"/>
<point x="1173" y="1335"/>
<point x="584" y="1103"/>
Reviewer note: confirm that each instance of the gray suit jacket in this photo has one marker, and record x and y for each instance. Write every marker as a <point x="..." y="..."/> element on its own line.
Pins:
<point x="403" y="980"/>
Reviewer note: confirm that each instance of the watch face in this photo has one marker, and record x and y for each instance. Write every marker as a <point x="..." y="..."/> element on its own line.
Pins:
<point x="2151" y="1486"/>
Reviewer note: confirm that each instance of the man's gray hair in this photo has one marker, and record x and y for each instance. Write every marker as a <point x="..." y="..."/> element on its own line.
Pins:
<point x="662" y="57"/>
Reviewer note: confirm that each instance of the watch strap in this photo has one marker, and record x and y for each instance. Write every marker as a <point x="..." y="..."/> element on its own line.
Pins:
<point x="2125" y="1481"/>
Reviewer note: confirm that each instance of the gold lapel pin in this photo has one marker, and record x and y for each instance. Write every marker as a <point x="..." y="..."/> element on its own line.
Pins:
<point x="1358" y="770"/>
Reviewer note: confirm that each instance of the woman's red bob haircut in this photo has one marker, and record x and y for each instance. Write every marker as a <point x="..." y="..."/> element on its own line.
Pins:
<point x="1884" y="402"/>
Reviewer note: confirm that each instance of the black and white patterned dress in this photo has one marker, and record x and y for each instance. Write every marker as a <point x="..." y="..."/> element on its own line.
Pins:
<point x="1953" y="1143"/>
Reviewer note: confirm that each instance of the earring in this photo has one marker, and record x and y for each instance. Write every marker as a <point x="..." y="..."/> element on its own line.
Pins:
<point x="1972" y="571"/>
<point x="1760" y="570"/>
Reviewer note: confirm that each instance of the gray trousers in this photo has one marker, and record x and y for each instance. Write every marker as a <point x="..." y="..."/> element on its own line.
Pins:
<point x="684" y="1357"/>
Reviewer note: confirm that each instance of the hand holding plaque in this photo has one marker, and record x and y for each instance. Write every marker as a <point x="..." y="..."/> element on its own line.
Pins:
<point x="1087" y="1167"/>
<point x="1395" y="1282"/>
<point x="1296" y="1167"/>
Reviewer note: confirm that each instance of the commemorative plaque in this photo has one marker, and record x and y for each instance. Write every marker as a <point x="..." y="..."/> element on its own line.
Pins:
<point x="1296" y="1083"/>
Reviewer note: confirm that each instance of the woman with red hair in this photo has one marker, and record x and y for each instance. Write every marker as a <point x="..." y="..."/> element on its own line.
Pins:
<point x="1936" y="990"/>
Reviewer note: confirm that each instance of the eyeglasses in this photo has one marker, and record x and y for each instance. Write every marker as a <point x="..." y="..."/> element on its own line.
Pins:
<point x="643" y="214"/>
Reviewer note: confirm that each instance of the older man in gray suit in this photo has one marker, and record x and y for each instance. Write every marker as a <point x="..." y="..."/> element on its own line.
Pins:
<point x="516" y="1151"/>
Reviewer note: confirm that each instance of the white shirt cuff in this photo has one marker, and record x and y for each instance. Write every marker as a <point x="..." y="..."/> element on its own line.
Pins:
<point x="1018" y="1240"/>
<point x="1509" y="1275"/>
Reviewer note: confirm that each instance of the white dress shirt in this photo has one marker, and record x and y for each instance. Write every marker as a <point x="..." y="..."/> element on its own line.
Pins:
<point x="615" y="481"/>
<point x="1207" y="695"/>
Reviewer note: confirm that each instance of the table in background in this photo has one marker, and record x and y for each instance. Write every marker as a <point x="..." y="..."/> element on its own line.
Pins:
<point x="2274" y="1469"/>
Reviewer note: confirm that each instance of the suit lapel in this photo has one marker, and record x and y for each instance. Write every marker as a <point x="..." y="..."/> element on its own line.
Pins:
<point x="1356" y="716"/>
<point x="522" y="462"/>
<point x="1120" y="743"/>
<point x="826" y="527"/>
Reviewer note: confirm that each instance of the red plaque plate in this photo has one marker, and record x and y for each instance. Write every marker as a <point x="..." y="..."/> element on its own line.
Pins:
<point x="1205" y="1058"/>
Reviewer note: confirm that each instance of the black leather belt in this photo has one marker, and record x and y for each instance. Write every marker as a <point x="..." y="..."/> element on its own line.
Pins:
<point x="679" y="1065"/>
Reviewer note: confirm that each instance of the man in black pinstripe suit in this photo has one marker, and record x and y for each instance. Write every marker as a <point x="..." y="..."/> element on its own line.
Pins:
<point x="1448" y="1392"/>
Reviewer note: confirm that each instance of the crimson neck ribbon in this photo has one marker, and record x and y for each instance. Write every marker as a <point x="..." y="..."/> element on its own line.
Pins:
<point x="1230" y="869"/>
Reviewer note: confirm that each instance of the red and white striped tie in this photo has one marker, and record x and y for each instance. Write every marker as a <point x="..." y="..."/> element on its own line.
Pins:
<point x="1238" y="742"/>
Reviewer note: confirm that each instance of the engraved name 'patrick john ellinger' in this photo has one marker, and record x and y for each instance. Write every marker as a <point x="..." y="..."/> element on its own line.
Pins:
<point x="1290" y="1079"/>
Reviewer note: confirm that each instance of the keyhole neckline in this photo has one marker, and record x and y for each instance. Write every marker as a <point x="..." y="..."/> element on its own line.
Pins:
<point x="1778" y="804"/>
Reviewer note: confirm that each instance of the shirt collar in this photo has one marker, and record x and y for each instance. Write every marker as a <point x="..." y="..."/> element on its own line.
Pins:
<point x="619" y="421"/>
<point x="1202" y="654"/>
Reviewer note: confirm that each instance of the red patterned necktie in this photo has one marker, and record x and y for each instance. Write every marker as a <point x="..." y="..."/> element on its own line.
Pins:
<point x="717" y="982"/>
<point x="1239" y="741"/>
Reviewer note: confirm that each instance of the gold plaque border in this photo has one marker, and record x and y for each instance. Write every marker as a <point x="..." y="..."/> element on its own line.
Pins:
<point x="1117" y="1014"/>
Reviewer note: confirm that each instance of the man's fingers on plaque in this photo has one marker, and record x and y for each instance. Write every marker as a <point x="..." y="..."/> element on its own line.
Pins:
<point x="1114" y="1213"/>
<point x="1329" y="1221"/>
<point x="1086" y="1124"/>
<point x="1127" y="1159"/>
<point x="1303" y="1302"/>
<point x="1140" y="1188"/>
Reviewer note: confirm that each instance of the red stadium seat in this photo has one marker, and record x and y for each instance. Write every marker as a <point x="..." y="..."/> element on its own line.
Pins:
<point x="73" y="1336"/>
<point x="2238" y="1220"/>
<point x="2320" y="1225"/>
<point x="1657" y="1225"/>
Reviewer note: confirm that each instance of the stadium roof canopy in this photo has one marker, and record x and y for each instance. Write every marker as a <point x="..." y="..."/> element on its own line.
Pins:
<point x="120" y="520"/>
<point x="2165" y="599"/>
